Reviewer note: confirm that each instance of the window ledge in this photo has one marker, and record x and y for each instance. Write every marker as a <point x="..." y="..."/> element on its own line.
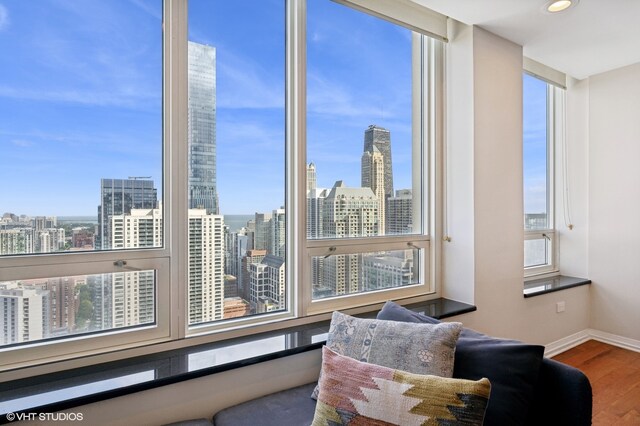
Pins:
<point x="64" y="390"/>
<point x="549" y="285"/>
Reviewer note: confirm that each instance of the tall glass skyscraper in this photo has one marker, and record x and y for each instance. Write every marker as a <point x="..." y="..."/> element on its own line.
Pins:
<point x="202" y="128"/>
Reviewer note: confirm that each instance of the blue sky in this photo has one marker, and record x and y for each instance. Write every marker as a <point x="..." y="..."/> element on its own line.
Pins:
<point x="535" y="144"/>
<point x="80" y="98"/>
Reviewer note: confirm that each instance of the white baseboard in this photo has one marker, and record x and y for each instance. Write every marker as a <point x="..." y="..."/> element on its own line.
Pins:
<point x="566" y="343"/>
<point x="612" y="339"/>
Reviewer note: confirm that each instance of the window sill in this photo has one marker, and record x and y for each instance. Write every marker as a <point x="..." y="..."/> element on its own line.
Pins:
<point x="64" y="390"/>
<point x="549" y="285"/>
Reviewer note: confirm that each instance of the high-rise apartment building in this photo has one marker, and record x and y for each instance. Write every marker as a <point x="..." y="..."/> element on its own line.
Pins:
<point x="62" y="303"/>
<point x="253" y="256"/>
<point x="262" y="235"/>
<point x="347" y="212"/>
<point x="267" y="284"/>
<point x="350" y="212"/>
<point x="203" y="192"/>
<point x="133" y="292"/>
<point x="23" y="313"/>
<point x="16" y="241"/>
<point x="400" y="213"/>
<point x="206" y="266"/>
<point x="381" y="138"/>
<point x="277" y="240"/>
<point x="315" y="208"/>
<point x="119" y="197"/>
<point x="387" y="270"/>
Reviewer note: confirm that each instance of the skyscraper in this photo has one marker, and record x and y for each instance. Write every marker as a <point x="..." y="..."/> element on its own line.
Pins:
<point x="206" y="266"/>
<point x="381" y="138"/>
<point x="23" y="313"/>
<point x="118" y="197"/>
<point x="277" y="238"/>
<point x="400" y="213"/>
<point x="348" y="212"/>
<point x="372" y="172"/>
<point x="311" y="177"/>
<point x="203" y="192"/>
<point x="133" y="292"/>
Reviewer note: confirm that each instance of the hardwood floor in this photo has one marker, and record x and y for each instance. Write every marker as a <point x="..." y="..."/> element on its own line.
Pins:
<point x="614" y="374"/>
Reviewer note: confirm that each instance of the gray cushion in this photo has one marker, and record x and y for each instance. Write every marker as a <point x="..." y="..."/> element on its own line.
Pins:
<point x="511" y="366"/>
<point x="289" y="407"/>
<point x="415" y="348"/>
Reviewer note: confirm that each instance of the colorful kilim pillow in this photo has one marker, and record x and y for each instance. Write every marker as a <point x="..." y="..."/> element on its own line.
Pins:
<point x="416" y="348"/>
<point x="357" y="393"/>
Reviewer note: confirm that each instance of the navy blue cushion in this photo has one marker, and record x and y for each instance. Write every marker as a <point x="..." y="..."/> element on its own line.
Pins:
<point x="511" y="366"/>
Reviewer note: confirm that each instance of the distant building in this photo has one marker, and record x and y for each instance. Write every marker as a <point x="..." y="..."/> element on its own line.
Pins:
<point x="23" y="313"/>
<point x="262" y="234"/>
<point x="400" y="213"/>
<point x="373" y="176"/>
<point x="206" y="266"/>
<point x="347" y="212"/>
<point x="236" y="307"/>
<point x="133" y="292"/>
<point x="16" y="241"/>
<point x="277" y="240"/>
<point x="119" y="197"/>
<point x="253" y="256"/>
<point x="82" y="238"/>
<point x="230" y="286"/>
<point x="311" y="177"/>
<point x="315" y="208"/>
<point x="267" y="284"/>
<point x="203" y="192"/>
<point x="385" y="271"/>
<point x="381" y="139"/>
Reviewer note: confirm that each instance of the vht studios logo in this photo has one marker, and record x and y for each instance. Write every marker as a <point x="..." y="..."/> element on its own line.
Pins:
<point x="45" y="417"/>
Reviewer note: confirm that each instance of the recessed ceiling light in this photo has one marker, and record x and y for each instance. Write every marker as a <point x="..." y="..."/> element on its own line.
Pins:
<point x="556" y="6"/>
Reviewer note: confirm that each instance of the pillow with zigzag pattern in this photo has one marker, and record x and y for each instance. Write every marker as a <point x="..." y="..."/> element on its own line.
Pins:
<point x="352" y="392"/>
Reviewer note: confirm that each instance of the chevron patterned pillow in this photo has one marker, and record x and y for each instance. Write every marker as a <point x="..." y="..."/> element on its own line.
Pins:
<point x="357" y="393"/>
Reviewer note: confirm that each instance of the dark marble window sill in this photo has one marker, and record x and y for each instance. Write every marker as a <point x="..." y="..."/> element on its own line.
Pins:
<point x="549" y="285"/>
<point x="67" y="389"/>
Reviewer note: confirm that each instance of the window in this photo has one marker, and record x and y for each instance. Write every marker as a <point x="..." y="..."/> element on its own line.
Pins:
<point x="366" y="163"/>
<point x="194" y="169"/>
<point x="81" y="165"/>
<point x="540" y="116"/>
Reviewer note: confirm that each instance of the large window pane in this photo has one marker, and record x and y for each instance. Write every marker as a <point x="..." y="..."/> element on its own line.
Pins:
<point x="359" y="123"/>
<point x="80" y="126"/>
<point x="343" y="274"/>
<point x="236" y="141"/>
<point x="535" y="153"/>
<point x="37" y="309"/>
<point x="364" y="130"/>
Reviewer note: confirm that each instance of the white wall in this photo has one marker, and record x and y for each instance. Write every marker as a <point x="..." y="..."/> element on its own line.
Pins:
<point x="574" y="242"/>
<point x="614" y="201"/>
<point x="494" y="200"/>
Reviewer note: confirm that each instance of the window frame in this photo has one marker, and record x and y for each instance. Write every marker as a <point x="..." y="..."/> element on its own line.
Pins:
<point x="171" y="329"/>
<point x="554" y="116"/>
<point x="427" y="141"/>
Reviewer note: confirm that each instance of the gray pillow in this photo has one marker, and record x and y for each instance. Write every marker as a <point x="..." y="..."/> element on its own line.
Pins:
<point x="416" y="348"/>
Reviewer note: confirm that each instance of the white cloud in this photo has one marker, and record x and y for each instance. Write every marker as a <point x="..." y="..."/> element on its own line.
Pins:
<point x="4" y="18"/>
<point x="22" y="143"/>
<point x="122" y="98"/>
<point x="243" y="83"/>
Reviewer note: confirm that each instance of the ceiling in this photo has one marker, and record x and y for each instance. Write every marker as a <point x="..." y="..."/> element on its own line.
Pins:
<point x="593" y="37"/>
